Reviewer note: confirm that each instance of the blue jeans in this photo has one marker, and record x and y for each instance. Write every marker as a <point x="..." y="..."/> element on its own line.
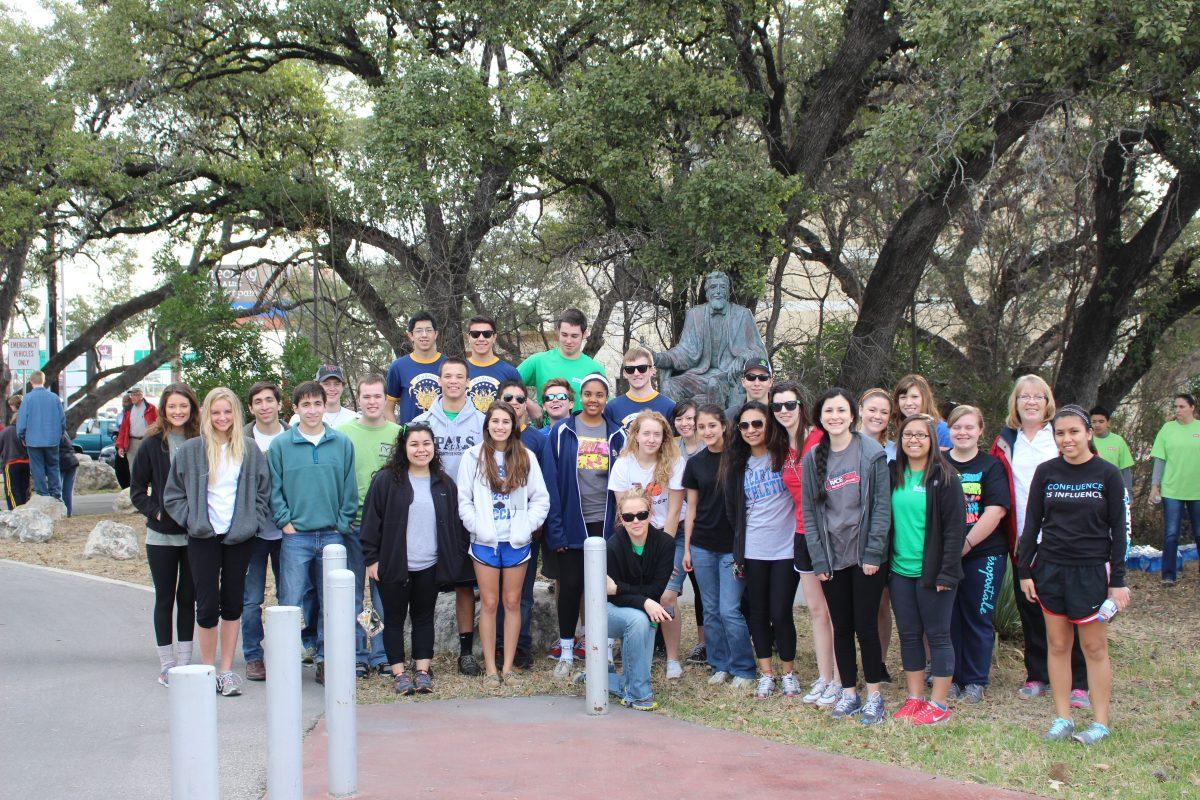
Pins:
<point x="1173" y="511"/>
<point x="255" y="594"/>
<point x="43" y="465"/>
<point x="300" y="571"/>
<point x="632" y="627"/>
<point x="355" y="562"/>
<point x="725" y="630"/>
<point x="310" y="611"/>
<point x="68" y="490"/>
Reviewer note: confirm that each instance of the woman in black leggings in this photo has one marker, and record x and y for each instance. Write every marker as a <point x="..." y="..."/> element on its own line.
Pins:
<point x="764" y="531"/>
<point x="166" y="539"/>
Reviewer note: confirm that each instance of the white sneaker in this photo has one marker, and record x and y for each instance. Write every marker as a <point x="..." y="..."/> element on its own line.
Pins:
<point x="833" y="693"/>
<point x="718" y="677"/>
<point x="563" y="668"/>
<point x="674" y="670"/>
<point x="815" y="690"/>
<point x="742" y="683"/>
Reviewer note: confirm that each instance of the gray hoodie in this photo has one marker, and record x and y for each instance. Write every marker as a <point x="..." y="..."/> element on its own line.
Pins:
<point x="875" y="494"/>
<point x="185" y="496"/>
<point x="453" y="437"/>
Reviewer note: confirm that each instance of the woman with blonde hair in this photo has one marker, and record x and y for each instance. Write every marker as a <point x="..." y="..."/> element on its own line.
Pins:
<point x="914" y="395"/>
<point x="220" y="491"/>
<point x="650" y="461"/>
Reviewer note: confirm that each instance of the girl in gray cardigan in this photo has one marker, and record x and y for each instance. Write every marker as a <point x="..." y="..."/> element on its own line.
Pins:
<point x="219" y="490"/>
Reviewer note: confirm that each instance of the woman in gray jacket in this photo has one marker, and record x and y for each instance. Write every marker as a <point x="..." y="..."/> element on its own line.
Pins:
<point x="847" y="516"/>
<point x="220" y="491"/>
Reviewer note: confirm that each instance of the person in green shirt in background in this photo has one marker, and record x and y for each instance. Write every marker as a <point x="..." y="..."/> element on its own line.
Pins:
<point x="565" y="361"/>
<point x="1110" y="446"/>
<point x="1175" y="481"/>
<point x="372" y="436"/>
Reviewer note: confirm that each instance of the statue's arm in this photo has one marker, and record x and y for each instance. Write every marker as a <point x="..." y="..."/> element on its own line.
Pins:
<point x="684" y="355"/>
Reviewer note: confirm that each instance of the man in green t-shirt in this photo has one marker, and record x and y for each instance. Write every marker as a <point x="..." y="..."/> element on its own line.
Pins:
<point x="1111" y="447"/>
<point x="566" y="361"/>
<point x="373" y="436"/>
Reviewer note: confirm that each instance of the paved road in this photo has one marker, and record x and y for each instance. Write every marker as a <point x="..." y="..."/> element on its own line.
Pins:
<point x="82" y="713"/>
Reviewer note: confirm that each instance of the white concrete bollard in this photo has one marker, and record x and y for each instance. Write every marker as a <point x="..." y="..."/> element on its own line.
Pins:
<point x="595" y="599"/>
<point x="192" y="704"/>
<point x="340" y="717"/>
<point x="285" y="733"/>
<point x="333" y="556"/>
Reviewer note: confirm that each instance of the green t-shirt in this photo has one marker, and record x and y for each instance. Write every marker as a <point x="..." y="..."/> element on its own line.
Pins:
<point x="372" y="447"/>
<point x="1112" y="448"/>
<point x="451" y="414"/>
<point x="1179" y="446"/>
<point x="638" y="549"/>
<point x="908" y="519"/>
<point x="541" y="367"/>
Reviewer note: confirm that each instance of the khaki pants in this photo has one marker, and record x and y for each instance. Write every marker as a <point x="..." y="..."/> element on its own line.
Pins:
<point x="134" y="444"/>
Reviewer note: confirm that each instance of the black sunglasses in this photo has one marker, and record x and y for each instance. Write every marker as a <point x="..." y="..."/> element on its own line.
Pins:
<point x="747" y="424"/>
<point x="785" y="405"/>
<point x="757" y="376"/>
<point x="549" y="398"/>
<point x="640" y="516"/>
<point x="513" y="398"/>
<point x="629" y="369"/>
<point x="481" y="334"/>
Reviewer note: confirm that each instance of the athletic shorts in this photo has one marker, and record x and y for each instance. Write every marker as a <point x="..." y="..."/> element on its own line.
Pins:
<point x="502" y="556"/>
<point x="803" y="560"/>
<point x="1072" y="591"/>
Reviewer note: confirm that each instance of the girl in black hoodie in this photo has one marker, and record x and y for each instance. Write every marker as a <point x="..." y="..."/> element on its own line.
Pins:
<point x="413" y="541"/>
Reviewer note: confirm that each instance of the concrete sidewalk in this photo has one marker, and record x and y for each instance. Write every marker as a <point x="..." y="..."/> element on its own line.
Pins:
<point x="545" y="747"/>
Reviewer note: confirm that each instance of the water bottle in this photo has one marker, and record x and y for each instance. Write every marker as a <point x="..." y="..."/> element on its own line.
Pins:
<point x="1108" y="610"/>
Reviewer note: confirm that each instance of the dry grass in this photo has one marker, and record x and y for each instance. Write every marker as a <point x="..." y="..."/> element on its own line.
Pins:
<point x="65" y="549"/>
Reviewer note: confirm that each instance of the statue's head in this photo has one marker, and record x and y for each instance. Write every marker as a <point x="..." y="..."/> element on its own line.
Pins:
<point x="716" y="289"/>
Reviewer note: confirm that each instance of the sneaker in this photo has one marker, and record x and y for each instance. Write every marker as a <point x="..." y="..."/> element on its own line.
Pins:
<point x="163" y="680"/>
<point x="972" y="693"/>
<point x="718" y="678"/>
<point x="512" y="680"/>
<point x="910" y="708"/>
<point x="467" y="665"/>
<point x="874" y="711"/>
<point x="660" y="652"/>
<point x="742" y="683"/>
<point x="1032" y="689"/>
<point x="523" y="659"/>
<point x="699" y="654"/>
<point x="954" y="693"/>
<point x="1091" y="734"/>
<point x="789" y="686"/>
<point x="833" y="693"/>
<point x="308" y="656"/>
<point x="815" y="690"/>
<point x="930" y="715"/>
<point x="847" y="706"/>
<point x="580" y="648"/>
<point x="256" y="671"/>
<point x="319" y="677"/>
<point x="423" y="682"/>
<point x="1168" y="582"/>
<point x="1080" y="699"/>
<point x="563" y="668"/>
<point x="648" y="704"/>
<point x="385" y="672"/>
<point x="492" y="681"/>
<point x="765" y="688"/>
<point x="361" y="670"/>
<point x="674" y="670"/>
<point x="229" y="684"/>
<point x="555" y="651"/>
<point x="403" y="684"/>
<point x="1060" y="730"/>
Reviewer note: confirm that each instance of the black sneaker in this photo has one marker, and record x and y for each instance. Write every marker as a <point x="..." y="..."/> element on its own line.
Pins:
<point x="523" y="660"/>
<point x="385" y="672"/>
<point x="699" y="654"/>
<point x="660" y="651"/>
<point x="361" y="670"/>
<point x="467" y="665"/>
<point x="320" y="676"/>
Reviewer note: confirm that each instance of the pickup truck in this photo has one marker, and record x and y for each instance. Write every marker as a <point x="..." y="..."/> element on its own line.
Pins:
<point x="94" y="435"/>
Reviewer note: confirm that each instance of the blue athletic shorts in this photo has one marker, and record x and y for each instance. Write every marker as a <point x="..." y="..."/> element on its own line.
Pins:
<point x="503" y="556"/>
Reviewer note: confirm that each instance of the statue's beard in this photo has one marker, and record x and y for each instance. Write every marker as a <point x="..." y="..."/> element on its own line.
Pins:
<point x="718" y="303"/>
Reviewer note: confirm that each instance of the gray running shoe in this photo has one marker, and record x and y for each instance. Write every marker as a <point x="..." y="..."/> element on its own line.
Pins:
<point x="718" y="677"/>
<point x="833" y="693"/>
<point x="649" y="704"/>
<point x="699" y="654"/>
<point x="423" y="682"/>
<point x="229" y="684"/>
<point x="308" y="655"/>
<point x="1091" y="734"/>
<point x="674" y="670"/>
<point x="972" y="693"/>
<point x="1060" y="730"/>
<point x="469" y="666"/>
<point x="563" y="668"/>
<point x="1032" y="689"/>
<point x="874" y="712"/>
<point x="402" y="684"/>
<point x="848" y="706"/>
<point x="955" y="692"/>
<point x="765" y="688"/>
<point x="815" y="690"/>
<point x="789" y="685"/>
<point x="742" y="683"/>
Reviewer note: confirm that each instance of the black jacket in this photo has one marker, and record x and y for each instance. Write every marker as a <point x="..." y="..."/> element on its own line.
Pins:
<point x="945" y="528"/>
<point x="384" y="533"/>
<point x="639" y="579"/>
<point x="67" y="462"/>
<point x="149" y="471"/>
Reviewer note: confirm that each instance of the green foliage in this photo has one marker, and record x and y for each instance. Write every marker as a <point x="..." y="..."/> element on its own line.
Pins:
<point x="297" y="363"/>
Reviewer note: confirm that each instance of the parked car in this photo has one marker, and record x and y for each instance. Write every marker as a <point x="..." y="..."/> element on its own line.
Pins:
<point x="109" y="455"/>
<point x="94" y="435"/>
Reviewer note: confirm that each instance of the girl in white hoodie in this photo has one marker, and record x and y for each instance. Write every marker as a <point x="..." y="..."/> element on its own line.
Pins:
<point x="502" y="500"/>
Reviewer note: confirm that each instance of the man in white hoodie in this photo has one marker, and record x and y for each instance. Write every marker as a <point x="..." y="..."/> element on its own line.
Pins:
<point x="457" y="426"/>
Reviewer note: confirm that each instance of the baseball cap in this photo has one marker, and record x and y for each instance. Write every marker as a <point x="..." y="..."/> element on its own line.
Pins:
<point x="757" y="362"/>
<point x="330" y="371"/>
<point x="595" y="376"/>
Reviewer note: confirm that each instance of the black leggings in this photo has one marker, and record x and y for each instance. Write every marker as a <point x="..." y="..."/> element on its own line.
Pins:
<point x="219" y="571"/>
<point x="853" y="599"/>
<point x="173" y="589"/>
<point x="770" y="594"/>
<point x="570" y="577"/>
<point x="419" y="595"/>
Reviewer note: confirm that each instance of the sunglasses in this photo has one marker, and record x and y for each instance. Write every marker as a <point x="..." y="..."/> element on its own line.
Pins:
<point x="513" y="398"/>
<point x="550" y="398"/>
<point x="757" y="376"/>
<point x="629" y="369"/>
<point x="481" y="334"/>
<point x="785" y="405"/>
<point x="640" y="516"/>
<point x="757" y="424"/>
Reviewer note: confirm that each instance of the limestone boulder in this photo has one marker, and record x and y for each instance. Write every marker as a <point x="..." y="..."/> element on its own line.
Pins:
<point x="111" y="539"/>
<point x="44" y="504"/>
<point x="122" y="504"/>
<point x="95" y="476"/>
<point x="543" y="625"/>
<point x="26" y="525"/>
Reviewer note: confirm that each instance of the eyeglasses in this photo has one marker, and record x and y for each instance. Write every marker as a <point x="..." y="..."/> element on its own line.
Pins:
<point x="747" y="424"/>
<point x="1029" y="398"/>
<point x="629" y="369"/>
<point x="914" y="436"/>
<point x="640" y="516"/>
<point x="552" y="396"/>
<point x="757" y="376"/>
<point x="514" y="398"/>
<point x="785" y="405"/>
<point x="481" y="334"/>
<point x="423" y="331"/>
